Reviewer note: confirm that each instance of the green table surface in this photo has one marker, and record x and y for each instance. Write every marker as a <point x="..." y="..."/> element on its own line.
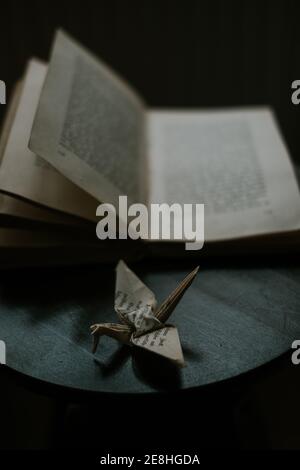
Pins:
<point x="236" y="316"/>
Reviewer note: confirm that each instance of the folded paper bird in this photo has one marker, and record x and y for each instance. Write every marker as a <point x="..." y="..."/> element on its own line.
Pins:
<point x="142" y="323"/>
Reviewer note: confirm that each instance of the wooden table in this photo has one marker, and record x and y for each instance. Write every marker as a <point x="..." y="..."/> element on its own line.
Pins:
<point x="236" y="316"/>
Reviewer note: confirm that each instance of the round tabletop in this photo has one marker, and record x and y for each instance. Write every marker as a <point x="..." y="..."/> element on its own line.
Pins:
<point x="231" y="320"/>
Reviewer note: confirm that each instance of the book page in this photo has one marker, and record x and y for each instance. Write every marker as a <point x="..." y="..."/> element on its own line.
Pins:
<point x="26" y="175"/>
<point x="89" y="125"/>
<point x="234" y="162"/>
<point x="18" y="212"/>
<point x="10" y="116"/>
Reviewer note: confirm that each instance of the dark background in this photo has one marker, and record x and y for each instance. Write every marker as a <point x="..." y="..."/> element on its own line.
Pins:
<point x="176" y="54"/>
<point x="188" y="53"/>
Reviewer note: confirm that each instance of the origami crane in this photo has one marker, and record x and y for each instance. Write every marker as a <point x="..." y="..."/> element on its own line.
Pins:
<point x="142" y="323"/>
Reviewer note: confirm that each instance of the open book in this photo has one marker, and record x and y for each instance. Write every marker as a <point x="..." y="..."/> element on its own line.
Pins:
<point x="77" y="135"/>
